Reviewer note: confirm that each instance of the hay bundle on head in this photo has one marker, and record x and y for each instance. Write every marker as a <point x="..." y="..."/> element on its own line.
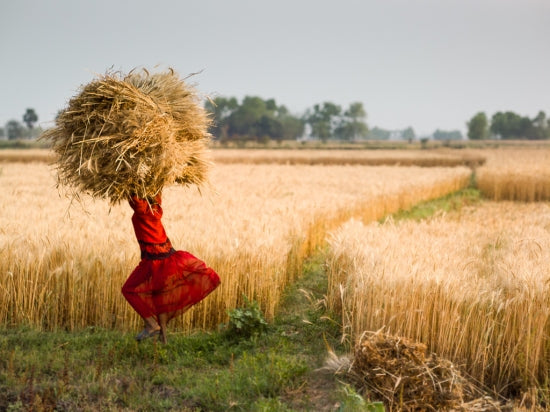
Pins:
<point x="131" y="134"/>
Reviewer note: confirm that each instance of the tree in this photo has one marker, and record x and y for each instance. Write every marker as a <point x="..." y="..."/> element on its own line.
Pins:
<point x="254" y="118"/>
<point x="293" y="127"/>
<point x="379" y="134"/>
<point x="322" y="120"/>
<point x="510" y="125"/>
<point x="478" y="127"/>
<point x="268" y="127"/>
<point x="14" y="130"/>
<point x="246" y="121"/>
<point x="409" y="134"/>
<point x="1" y="132"/>
<point x="352" y="124"/>
<point x="30" y="118"/>
<point x="220" y="108"/>
<point x="539" y="127"/>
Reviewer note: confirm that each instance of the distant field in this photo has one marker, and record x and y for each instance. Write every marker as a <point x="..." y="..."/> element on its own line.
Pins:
<point x="65" y="264"/>
<point x="474" y="286"/>
<point x="442" y="158"/>
<point x="26" y="155"/>
<point x="353" y="157"/>
<point x="507" y="173"/>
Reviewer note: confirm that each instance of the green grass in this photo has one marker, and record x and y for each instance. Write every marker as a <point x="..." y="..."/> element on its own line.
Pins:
<point x="277" y="370"/>
<point x="452" y="202"/>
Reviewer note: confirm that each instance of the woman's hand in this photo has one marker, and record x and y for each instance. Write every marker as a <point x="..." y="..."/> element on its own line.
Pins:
<point x="145" y="205"/>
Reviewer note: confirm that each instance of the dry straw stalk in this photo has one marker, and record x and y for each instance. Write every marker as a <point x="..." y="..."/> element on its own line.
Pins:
<point x="131" y="134"/>
<point x="399" y="371"/>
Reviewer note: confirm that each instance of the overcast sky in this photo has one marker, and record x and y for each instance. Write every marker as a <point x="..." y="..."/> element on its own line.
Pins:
<point x="428" y="64"/>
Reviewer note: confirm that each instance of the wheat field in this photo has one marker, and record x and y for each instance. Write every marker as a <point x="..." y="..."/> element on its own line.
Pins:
<point x="516" y="174"/>
<point x="64" y="261"/>
<point x="472" y="285"/>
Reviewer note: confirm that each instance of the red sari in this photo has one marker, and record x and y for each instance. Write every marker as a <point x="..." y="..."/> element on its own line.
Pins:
<point x="166" y="280"/>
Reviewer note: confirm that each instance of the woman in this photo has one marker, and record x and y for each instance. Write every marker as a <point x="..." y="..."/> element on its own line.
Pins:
<point x="166" y="282"/>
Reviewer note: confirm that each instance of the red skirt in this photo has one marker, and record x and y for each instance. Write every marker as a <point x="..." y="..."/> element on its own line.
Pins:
<point x="170" y="285"/>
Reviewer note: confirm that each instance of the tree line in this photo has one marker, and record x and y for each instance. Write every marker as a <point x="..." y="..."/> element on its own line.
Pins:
<point x="509" y="125"/>
<point x="14" y="129"/>
<point x="257" y="119"/>
<point x="263" y="120"/>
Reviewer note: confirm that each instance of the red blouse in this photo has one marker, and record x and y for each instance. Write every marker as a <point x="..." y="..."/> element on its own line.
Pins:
<point x="150" y="233"/>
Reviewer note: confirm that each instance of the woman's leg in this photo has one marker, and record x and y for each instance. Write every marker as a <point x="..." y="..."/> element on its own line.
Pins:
<point x="151" y="324"/>
<point x="163" y="321"/>
<point x="138" y="291"/>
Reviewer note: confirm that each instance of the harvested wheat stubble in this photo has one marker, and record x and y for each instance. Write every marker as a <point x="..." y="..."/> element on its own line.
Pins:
<point x="135" y="133"/>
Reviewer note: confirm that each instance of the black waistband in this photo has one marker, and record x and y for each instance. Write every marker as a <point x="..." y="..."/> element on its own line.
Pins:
<point x="157" y="256"/>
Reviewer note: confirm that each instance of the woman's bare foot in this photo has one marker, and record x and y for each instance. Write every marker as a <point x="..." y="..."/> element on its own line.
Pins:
<point x="151" y="329"/>
<point x="147" y="333"/>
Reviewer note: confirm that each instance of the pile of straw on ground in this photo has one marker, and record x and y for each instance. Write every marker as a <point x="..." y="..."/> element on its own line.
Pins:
<point x="131" y="134"/>
<point x="397" y="371"/>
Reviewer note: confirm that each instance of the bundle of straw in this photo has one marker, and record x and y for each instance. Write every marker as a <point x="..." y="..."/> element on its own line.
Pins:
<point x="398" y="370"/>
<point x="131" y="134"/>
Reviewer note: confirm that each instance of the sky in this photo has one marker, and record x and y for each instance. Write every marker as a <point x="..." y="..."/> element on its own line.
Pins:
<point x="427" y="64"/>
